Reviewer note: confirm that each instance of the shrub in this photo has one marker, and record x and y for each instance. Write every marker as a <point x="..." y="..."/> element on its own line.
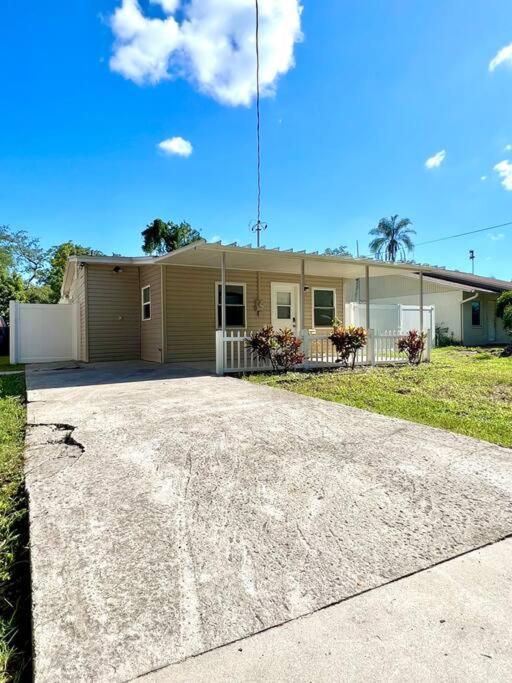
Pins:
<point x="347" y="341"/>
<point x="444" y="337"/>
<point x="413" y="344"/>
<point x="280" y="348"/>
<point x="503" y="302"/>
<point x="504" y="311"/>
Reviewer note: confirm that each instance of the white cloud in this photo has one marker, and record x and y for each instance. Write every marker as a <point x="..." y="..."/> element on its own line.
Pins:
<point x="436" y="160"/>
<point x="210" y="43"/>
<point x="504" y="170"/>
<point x="168" y="6"/>
<point x="498" y="236"/>
<point x="508" y="148"/>
<point x="215" y="238"/>
<point x="178" y="146"/>
<point x="483" y="177"/>
<point x="503" y="56"/>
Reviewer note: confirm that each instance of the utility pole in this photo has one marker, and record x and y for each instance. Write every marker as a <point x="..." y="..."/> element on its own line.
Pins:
<point x="472" y="259"/>
<point x="357" y="248"/>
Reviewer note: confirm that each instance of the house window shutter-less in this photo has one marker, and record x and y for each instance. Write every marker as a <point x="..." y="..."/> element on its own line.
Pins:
<point x="146" y="303"/>
<point x="324" y="308"/>
<point x="235" y="305"/>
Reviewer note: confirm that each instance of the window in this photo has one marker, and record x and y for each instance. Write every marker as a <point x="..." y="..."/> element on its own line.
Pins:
<point x="324" y="307"/>
<point x="146" y="303"/>
<point x="235" y="305"/>
<point x="284" y="305"/>
<point x="475" y="313"/>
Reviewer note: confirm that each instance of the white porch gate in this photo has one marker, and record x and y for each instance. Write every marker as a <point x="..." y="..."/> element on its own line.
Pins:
<point x="41" y="333"/>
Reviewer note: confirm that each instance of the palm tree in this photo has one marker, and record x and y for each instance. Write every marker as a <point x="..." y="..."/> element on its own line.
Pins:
<point x="392" y="238"/>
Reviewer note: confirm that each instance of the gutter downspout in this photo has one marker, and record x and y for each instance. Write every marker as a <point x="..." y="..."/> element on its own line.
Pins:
<point x="465" y="301"/>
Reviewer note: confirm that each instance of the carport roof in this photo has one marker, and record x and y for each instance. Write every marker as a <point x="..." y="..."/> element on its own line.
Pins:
<point x="208" y="255"/>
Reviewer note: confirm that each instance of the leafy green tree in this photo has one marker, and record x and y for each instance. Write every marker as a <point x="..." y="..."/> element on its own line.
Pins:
<point x="11" y="287"/>
<point x="58" y="257"/>
<point x="338" y="251"/>
<point x="160" y="237"/>
<point x="26" y="254"/>
<point x="504" y="310"/>
<point x="392" y="238"/>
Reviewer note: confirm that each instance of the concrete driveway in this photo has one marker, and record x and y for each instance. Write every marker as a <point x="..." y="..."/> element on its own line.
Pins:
<point x="173" y="511"/>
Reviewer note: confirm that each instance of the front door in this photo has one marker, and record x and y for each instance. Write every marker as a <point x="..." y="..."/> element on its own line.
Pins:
<point x="285" y="300"/>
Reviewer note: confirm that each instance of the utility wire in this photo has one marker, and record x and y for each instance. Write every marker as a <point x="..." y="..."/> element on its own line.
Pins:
<point x="462" y="234"/>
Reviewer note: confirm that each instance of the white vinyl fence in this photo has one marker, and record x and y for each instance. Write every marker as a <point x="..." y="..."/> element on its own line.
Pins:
<point x="42" y="333"/>
<point x="233" y="355"/>
<point x="402" y="317"/>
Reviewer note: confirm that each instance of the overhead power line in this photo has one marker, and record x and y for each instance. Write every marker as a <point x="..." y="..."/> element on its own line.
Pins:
<point x="463" y="234"/>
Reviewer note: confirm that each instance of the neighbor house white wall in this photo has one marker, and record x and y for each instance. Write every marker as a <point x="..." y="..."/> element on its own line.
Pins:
<point x="405" y="290"/>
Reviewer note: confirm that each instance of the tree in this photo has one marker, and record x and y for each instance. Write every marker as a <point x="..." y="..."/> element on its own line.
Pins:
<point x="161" y="237"/>
<point x="58" y="257"/>
<point x="504" y="311"/>
<point x="392" y="238"/>
<point x="12" y="287"/>
<point x="338" y="251"/>
<point x="25" y="253"/>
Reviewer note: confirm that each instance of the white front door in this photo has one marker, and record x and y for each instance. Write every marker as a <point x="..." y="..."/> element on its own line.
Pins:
<point x="285" y="303"/>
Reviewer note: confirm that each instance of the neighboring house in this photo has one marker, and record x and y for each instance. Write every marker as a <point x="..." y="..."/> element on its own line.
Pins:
<point x="168" y="308"/>
<point x="465" y="304"/>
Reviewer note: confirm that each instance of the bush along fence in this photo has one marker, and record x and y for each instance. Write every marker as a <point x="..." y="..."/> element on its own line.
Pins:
<point x="269" y="350"/>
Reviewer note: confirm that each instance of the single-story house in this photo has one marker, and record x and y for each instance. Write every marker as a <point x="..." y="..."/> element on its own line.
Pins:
<point x="168" y="308"/>
<point x="465" y="305"/>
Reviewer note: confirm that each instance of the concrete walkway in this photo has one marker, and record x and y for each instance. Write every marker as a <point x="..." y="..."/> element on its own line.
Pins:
<point x="173" y="512"/>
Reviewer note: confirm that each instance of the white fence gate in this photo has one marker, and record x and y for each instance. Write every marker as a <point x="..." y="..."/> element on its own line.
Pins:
<point x="402" y="317"/>
<point x="41" y="333"/>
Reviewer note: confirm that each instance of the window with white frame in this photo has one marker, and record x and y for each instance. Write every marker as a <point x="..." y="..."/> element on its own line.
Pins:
<point x="324" y="307"/>
<point x="235" y="304"/>
<point x="146" y="303"/>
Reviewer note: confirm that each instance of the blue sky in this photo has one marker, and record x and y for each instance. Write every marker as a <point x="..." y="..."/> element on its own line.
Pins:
<point x="377" y="89"/>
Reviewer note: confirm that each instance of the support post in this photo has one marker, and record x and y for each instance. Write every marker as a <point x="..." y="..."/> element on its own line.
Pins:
<point x="302" y="294"/>
<point x="367" y="280"/>
<point x="223" y="293"/>
<point x="421" y="302"/>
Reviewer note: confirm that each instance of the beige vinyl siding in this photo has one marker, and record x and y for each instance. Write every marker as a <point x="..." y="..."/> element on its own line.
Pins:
<point x="191" y="306"/>
<point x="113" y="313"/>
<point x="151" y="330"/>
<point x="78" y="295"/>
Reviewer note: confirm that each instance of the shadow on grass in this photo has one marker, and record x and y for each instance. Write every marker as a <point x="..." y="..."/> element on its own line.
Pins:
<point x="16" y="600"/>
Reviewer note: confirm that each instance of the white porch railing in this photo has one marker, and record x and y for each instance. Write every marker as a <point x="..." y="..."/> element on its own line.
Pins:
<point x="233" y="356"/>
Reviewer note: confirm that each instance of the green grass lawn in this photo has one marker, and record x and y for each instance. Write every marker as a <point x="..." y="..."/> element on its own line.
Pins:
<point x="5" y="365"/>
<point x="14" y="570"/>
<point x="468" y="391"/>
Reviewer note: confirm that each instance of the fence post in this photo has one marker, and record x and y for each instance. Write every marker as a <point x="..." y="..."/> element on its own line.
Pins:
<point x="370" y="347"/>
<point x="13" y="332"/>
<point x="428" y="344"/>
<point x="305" y="348"/>
<point x="219" y="352"/>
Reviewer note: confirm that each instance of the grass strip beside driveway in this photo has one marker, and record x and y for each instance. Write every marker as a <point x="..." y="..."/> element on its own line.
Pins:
<point x="14" y="565"/>
<point x="468" y="391"/>
<point x="5" y="365"/>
